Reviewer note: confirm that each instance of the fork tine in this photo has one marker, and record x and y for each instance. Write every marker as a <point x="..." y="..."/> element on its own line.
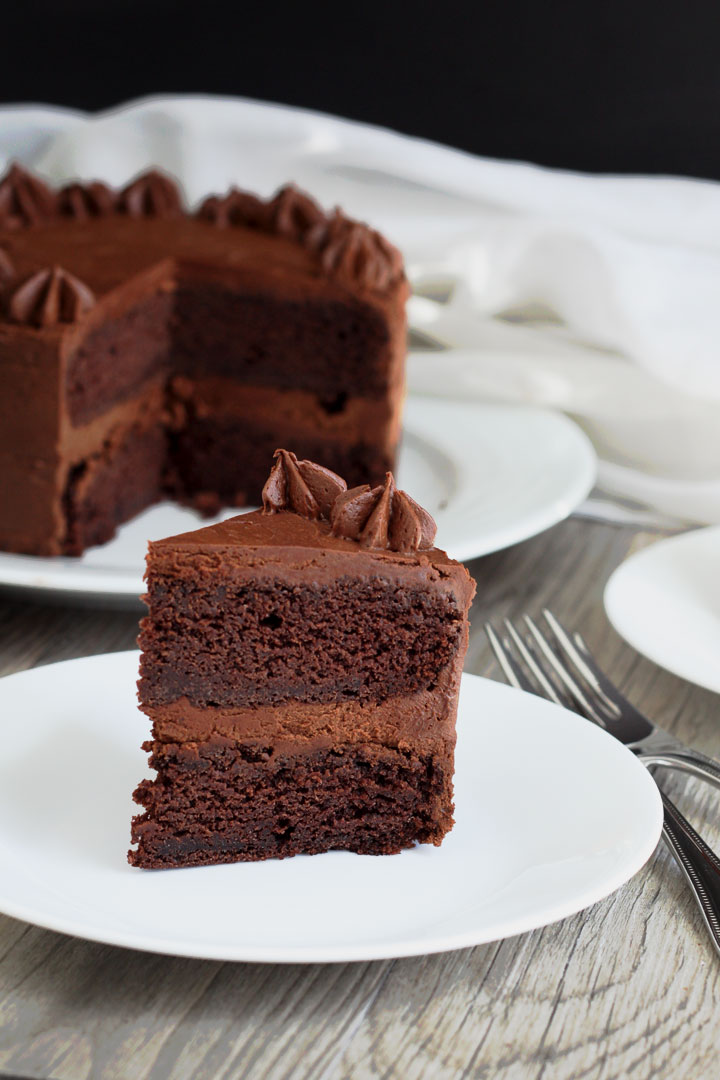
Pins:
<point x="609" y="689"/>
<point x="589" y="671"/>
<point x="581" y="697"/>
<point x="511" y="670"/>
<point x="547" y="686"/>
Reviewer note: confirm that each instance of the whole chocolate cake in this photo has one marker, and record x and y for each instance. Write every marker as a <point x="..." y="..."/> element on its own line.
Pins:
<point x="301" y="668"/>
<point x="148" y="352"/>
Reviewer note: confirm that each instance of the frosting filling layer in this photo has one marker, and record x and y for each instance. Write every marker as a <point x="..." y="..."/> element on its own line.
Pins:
<point x="426" y="717"/>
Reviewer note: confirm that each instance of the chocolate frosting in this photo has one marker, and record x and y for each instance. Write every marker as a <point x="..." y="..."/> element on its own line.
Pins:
<point x="378" y="518"/>
<point x="301" y="486"/>
<point x="382" y="517"/>
<point x="351" y="249"/>
<point x="7" y="270"/>
<point x="344" y="248"/>
<point x="290" y="213"/>
<point x="24" y="199"/>
<point x="153" y="194"/>
<point x="49" y="297"/>
<point x="83" y="201"/>
<point x="236" y="208"/>
<point x="295" y="214"/>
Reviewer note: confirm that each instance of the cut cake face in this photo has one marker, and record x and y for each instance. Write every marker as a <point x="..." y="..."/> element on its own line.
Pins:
<point x="301" y="668"/>
<point x="147" y="352"/>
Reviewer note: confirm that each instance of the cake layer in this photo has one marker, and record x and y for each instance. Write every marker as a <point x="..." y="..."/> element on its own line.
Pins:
<point x="426" y="718"/>
<point x="225" y="641"/>
<point x="124" y="477"/>
<point x="204" y="455"/>
<point x="329" y="345"/>
<point x="115" y="360"/>
<point x="214" y="803"/>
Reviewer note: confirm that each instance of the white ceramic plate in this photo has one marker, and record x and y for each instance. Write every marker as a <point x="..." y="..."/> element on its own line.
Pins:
<point x="552" y="815"/>
<point x="491" y="475"/>
<point x="665" y="601"/>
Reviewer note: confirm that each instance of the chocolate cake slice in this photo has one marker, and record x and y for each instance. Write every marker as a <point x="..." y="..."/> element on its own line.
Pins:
<point x="148" y="352"/>
<point x="301" y="668"/>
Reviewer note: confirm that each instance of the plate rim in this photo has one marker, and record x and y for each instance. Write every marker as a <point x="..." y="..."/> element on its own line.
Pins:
<point x="614" y="609"/>
<point x="367" y="951"/>
<point x="29" y="573"/>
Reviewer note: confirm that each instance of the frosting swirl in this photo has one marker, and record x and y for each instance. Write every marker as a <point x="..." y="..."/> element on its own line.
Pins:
<point x="153" y="194"/>
<point x="355" y="251"/>
<point x="49" y="297"/>
<point x="294" y="213"/>
<point x="235" y="208"/>
<point x="84" y="201"/>
<point x="346" y="249"/>
<point x="301" y="486"/>
<point x="24" y="199"/>
<point x="382" y="517"/>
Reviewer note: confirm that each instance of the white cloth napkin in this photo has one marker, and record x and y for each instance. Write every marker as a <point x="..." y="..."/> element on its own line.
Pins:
<point x="595" y="295"/>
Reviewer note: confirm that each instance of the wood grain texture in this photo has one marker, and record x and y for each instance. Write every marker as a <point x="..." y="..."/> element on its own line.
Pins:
<point x="628" y="988"/>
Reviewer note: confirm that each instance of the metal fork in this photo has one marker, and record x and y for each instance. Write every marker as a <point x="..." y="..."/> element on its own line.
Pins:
<point x="560" y="667"/>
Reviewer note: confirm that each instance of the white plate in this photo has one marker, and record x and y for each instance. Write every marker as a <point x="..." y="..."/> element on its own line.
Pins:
<point x="491" y="475"/>
<point x="552" y="815"/>
<point x="665" y="601"/>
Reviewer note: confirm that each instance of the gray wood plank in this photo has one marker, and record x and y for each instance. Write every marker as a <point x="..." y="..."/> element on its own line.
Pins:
<point x="627" y="988"/>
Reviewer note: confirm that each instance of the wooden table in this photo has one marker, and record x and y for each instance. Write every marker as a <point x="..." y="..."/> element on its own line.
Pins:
<point x="628" y="988"/>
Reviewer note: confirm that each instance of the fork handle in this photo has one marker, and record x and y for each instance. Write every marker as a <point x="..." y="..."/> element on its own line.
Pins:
<point x="692" y="761"/>
<point x="698" y="863"/>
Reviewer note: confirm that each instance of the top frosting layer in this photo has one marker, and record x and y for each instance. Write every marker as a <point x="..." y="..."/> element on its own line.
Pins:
<point x="380" y="518"/>
<point x="344" y="249"/>
<point x="312" y="530"/>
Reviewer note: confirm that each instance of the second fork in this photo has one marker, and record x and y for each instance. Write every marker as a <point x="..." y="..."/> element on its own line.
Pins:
<point x="564" y="671"/>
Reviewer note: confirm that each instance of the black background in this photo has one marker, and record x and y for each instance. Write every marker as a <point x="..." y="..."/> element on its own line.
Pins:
<point x="631" y="87"/>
